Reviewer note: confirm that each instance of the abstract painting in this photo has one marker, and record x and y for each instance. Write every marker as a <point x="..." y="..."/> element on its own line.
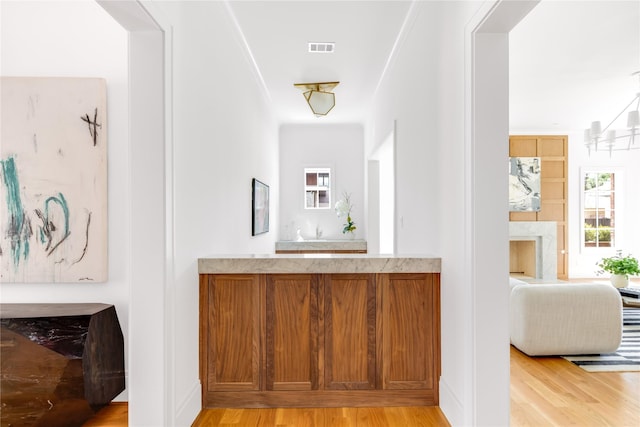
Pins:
<point x="524" y="184"/>
<point x="53" y="180"/>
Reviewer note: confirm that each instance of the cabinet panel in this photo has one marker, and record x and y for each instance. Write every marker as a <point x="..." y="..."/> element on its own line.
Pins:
<point x="553" y="190"/>
<point x="552" y="211"/>
<point x="349" y="331"/>
<point x="233" y="338"/>
<point x="523" y="216"/>
<point x="552" y="147"/>
<point x="523" y="147"/>
<point x="292" y="332"/>
<point x="410" y="327"/>
<point x="552" y="169"/>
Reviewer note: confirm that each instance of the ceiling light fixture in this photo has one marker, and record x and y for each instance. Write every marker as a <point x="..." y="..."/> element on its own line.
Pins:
<point x="319" y="96"/>
<point x="614" y="140"/>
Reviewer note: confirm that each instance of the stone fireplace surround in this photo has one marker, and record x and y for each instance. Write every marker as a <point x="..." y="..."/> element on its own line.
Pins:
<point x="544" y="234"/>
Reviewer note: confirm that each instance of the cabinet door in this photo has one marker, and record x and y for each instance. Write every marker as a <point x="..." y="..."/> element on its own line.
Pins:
<point x="349" y="331"/>
<point x="292" y="332"/>
<point x="410" y="331"/>
<point x="230" y="348"/>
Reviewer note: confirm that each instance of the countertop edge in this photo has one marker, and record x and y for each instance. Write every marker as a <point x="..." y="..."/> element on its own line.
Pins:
<point x="318" y="263"/>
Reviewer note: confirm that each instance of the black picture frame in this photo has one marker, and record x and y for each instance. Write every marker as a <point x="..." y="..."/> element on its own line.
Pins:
<point x="259" y="207"/>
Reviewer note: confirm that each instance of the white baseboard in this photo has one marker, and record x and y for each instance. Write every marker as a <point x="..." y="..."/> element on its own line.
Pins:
<point x="189" y="408"/>
<point x="450" y="405"/>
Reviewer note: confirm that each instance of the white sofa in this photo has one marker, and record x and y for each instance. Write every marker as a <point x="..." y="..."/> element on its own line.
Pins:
<point x="565" y="319"/>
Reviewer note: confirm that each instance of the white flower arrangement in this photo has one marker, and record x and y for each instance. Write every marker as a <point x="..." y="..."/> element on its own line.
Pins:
<point x="343" y="208"/>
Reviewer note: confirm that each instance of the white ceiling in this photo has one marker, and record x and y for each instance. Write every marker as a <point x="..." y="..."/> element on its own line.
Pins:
<point x="570" y="61"/>
<point x="278" y="34"/>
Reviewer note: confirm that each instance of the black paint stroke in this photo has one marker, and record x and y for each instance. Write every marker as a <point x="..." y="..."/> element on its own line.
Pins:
<point x="47" y="229"/>
<point x="59" y="243"/>
<point x="93" y="125"/>
<point x="86" y="278"/>
<point x="86" y="241"/>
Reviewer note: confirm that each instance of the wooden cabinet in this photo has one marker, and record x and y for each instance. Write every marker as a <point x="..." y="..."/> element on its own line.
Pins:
<point x="295" y="340"/>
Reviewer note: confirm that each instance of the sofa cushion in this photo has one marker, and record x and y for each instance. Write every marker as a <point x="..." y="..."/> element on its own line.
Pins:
<point x="513" y="282"/>
<point x="564" y="319"/>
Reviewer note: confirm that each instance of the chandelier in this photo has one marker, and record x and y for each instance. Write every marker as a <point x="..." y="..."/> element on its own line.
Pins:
<point x="598" y="139"/>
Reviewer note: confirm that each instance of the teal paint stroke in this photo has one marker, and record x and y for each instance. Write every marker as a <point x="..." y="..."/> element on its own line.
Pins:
<point x="19" y="226"/>
<point x="62" y="202"/>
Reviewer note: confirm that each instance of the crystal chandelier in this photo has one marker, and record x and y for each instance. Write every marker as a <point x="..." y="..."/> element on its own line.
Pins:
<point x="598" y="139"/>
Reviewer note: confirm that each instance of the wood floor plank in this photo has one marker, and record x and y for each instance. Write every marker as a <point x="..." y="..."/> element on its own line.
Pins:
<point x="553" y="391"/>
<point x="545" y="391"/>
<point x="374" y="417"/>
<point x="114" y="415"/>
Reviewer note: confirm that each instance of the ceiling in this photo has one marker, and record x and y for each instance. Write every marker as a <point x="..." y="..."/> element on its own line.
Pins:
<point x="570" y="61"/>
<point x="278" y="34"/>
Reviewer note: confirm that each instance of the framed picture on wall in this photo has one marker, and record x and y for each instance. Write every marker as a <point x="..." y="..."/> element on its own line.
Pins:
<point x="524" y="184"/>
<point x="260" y="207"/>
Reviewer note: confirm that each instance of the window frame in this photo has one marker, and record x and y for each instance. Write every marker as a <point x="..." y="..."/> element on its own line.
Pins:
<point x="328" y="188"/>
<point x="618" y="208"/>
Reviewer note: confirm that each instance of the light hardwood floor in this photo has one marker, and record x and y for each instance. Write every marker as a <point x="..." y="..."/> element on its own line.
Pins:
<point x="549" y="391"/>
<point x="545" y="391"/>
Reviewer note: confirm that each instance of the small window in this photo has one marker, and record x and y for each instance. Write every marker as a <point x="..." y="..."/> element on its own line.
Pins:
<point x="317" y="188"/>
<point x="599" y="209"/>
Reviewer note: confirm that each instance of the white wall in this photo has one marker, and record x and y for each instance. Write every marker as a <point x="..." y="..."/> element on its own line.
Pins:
<point x="339" y="147"/>
<point x="448" y="180"/>
<point x="78" y="39"/>
<point x="407" y="95"/>
<point x="223" y="136"/>
<point x="429" y="73"/>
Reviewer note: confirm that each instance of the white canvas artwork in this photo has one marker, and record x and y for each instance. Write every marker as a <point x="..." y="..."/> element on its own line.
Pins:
<point x="53" y="180"/>
<point x="524" y="184"/>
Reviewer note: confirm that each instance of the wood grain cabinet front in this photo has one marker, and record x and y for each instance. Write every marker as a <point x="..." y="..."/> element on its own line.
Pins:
<point x="292" y="332"/>
<point x="230" y="348"/>
<point x="349" y="331"/>
<point x="296" y="340"/>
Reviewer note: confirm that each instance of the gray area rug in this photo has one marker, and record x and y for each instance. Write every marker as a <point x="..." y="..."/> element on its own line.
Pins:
<point x="626" y="358"/>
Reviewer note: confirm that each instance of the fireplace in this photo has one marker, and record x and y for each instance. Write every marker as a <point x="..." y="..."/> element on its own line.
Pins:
<point x="533" y="248"/>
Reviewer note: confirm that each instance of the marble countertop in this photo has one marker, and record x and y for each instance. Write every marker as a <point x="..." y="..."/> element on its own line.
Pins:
<point x="318" y="263"/>
<point x="326" y="244"/>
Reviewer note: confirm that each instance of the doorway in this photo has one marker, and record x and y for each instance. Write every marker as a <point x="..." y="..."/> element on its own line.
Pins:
<point x="382" y="182"/>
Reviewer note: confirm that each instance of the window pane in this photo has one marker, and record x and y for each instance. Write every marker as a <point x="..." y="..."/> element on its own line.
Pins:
<point x="599" y="209"/>
<point x="312" y="178"/>
<point x="317" y="187"/>
<point x="310" y="199"/>
<point x="323" y="199"/>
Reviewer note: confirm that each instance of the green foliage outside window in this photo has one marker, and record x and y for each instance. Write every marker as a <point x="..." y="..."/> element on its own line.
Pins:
<point x="604" y="234"/>
<point x="594" y="180"/>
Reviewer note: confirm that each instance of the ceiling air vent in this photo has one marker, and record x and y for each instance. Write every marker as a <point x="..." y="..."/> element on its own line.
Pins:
<point x="315" y="47"/>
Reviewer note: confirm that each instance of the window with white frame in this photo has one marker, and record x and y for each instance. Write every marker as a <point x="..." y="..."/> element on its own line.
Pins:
<point x="317" y="188"/>
<point x="599" y="209"/>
